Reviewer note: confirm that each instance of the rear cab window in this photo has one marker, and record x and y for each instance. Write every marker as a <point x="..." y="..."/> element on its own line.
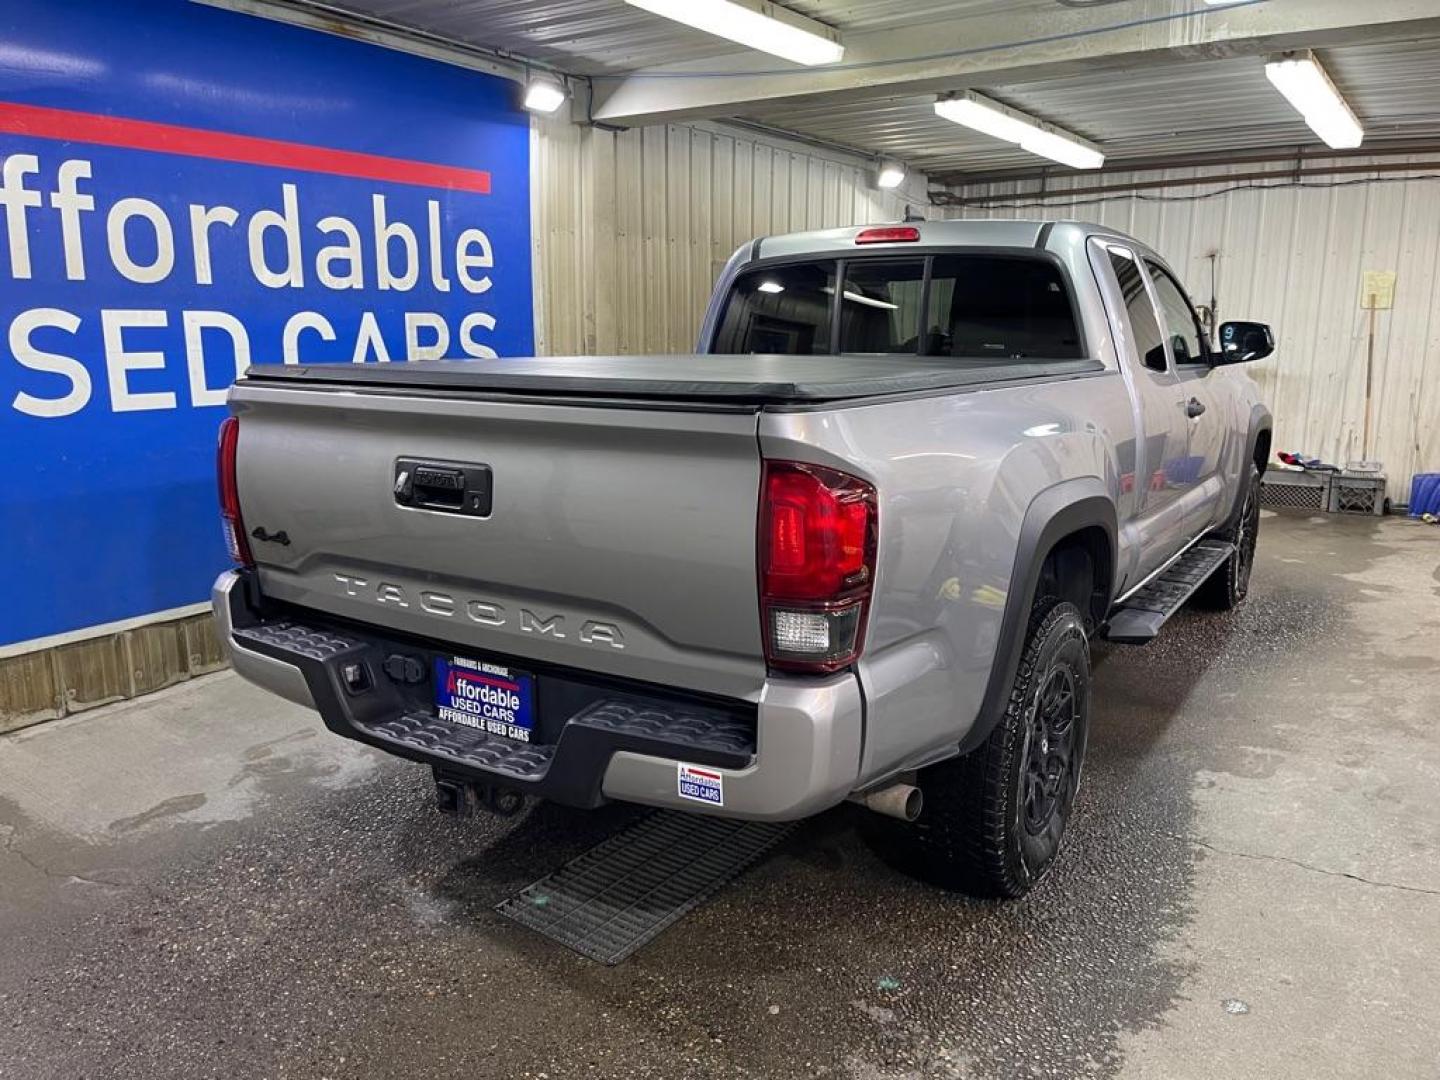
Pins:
<point x="1012" y="309"/>
<point x="963" y="306"/>
<point x="880" y="306"/>
<point x="781" y="310"/>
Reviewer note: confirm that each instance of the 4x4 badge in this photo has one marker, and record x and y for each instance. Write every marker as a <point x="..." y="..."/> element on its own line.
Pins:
<point x="262" y="534"/>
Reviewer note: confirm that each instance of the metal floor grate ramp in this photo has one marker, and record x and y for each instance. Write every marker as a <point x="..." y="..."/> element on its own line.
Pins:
<point x="614" y="898"/>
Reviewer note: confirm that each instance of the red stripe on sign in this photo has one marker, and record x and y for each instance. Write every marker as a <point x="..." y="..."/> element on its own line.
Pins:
<point x="702" y="772"/>
<point x="490" y="680"/>
<point x="196" y="142"/>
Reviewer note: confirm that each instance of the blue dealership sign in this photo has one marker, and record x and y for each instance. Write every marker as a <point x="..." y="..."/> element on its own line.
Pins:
<point x="183" y="191"/>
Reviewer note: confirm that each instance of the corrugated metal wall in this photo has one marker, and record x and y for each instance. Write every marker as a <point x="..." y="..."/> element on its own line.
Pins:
<point x="632" y="227"/>
<point x="1295" y="257"/>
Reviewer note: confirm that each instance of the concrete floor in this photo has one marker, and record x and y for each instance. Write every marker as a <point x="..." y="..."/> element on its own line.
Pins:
<point x="206" y="883"/>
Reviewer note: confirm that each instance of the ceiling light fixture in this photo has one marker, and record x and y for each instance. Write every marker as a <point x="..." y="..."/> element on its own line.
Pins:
<point x="1308" y="88"/>
<point x="1011" y="125"/>
<point x="757" y="24"/>
<point x="544" y="94"/>
<point x="891" y="174"/>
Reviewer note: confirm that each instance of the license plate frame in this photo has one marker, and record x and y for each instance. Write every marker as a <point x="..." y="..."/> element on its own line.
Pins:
<point x="492" y="698"/>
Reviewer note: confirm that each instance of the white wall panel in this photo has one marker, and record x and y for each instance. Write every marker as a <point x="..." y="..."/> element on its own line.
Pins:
<point x="1294" y="257"/>
<point x="631" y="227"/>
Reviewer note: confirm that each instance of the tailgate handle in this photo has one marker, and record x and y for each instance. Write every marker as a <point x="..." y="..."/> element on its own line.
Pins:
<point x="450" y="487"/>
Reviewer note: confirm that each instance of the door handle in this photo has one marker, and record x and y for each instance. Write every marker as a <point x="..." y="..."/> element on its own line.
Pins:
<point x="1194" y="407"/>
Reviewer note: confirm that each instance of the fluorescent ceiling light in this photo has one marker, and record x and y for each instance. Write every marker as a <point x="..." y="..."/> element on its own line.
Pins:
<point x="757" y="24"/>
<point x="891" y="175"/>
<point x="1010" y="125"/>
<point x="990" y="118"/>
<point x="1062" y="148"/>
<point x="771" y="287"/>
<point x="544" y="94"/>
<point x="1308" y="88"/>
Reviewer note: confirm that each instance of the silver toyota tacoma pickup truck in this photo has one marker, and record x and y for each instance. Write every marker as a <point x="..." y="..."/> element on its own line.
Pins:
<point x="856" y="547"/>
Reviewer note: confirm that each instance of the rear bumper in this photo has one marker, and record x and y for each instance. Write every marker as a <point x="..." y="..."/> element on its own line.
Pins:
<point x="801" y="756"/>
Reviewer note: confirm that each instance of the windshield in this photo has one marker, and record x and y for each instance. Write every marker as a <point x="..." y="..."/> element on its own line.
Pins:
<point x="970" y="306"/>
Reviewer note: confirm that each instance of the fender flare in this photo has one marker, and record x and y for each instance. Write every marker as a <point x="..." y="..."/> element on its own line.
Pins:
<point x="1053" y="514"/>
<point x="1260" y="420"/>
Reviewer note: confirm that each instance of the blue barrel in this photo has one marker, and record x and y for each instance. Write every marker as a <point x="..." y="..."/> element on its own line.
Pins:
<point x="1425" y="494"/>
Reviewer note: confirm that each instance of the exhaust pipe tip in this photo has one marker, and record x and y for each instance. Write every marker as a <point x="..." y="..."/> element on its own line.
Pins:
<point x="903" y="801"/>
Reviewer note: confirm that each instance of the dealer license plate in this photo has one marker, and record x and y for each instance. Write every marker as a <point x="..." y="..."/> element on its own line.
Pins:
<point x="496" y="700"/>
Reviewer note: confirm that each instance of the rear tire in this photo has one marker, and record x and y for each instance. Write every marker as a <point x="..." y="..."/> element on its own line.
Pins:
<point x="993" y="819"/>
<point x="1228" y="586"/>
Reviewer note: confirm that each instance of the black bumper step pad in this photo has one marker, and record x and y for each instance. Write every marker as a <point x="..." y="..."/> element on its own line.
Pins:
<point x="1142" y="615"/>
<point x="672" y="725"/>
<point x="685" y="734"/>
<point x="627" y="889"/>
<point x="460" y="745"/>
<point x="570" y="769"/>
<point x="294" y="637"/>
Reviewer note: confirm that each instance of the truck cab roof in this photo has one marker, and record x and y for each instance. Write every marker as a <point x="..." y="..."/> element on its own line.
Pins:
<point x="981" y="233"/>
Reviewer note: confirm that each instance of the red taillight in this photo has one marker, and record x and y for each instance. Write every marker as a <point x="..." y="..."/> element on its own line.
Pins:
<point x="818" y="529"/>
<point x="234" y="526"/>
<point x="817" y="564"/>
<point x="888" y="234"/>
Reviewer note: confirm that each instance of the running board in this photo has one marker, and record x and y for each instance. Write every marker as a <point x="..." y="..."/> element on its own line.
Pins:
<point x="1141" y="615"/>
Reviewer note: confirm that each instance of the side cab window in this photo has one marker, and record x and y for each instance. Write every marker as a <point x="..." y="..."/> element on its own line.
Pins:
<point x="1144" y="324"/>
<point x="1186" y="338"/>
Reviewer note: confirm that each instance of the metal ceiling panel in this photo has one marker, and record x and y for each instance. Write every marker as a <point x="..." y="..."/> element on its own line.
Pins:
<point x="1192" y="108"/>
<point x="1179" y="108"/>
<point x="583" y="37"/>
<point x="865" y="15"/>
<point x="595" y="37"/>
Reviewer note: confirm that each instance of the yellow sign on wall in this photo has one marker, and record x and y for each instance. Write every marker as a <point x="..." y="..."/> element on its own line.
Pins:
<point x="1377" y="290"/>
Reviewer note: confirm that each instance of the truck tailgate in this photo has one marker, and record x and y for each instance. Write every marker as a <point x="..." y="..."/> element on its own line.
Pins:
<point x="618" y="540"/>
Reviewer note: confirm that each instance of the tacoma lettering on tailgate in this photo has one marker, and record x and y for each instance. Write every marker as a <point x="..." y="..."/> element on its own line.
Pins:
<point x="484" y="612"/>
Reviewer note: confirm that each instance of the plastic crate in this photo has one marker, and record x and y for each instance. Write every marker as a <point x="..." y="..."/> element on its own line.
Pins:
<point x="1354" y="493"/>
<point x="1287" y="489"/>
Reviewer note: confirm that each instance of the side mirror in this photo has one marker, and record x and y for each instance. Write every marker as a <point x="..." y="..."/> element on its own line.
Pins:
<point x="1241" y="342"/>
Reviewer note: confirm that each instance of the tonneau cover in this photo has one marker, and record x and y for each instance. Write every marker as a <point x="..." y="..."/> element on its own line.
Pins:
<point x="747" y="379"/>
